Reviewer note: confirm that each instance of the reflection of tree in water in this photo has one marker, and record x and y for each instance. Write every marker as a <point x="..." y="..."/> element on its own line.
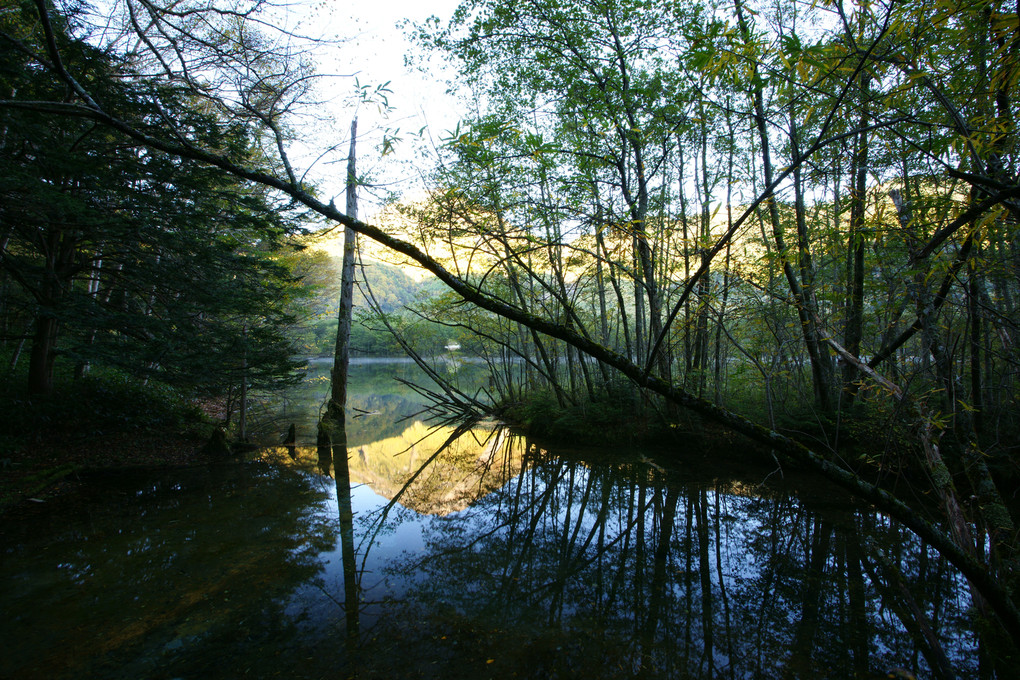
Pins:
<point x="381" y="416"/>
<point x="631" y="570"/>
<point x="431" y="469"/>
<point x="375" y="389"/>
<point x="436" y="470"/>
<point x="547" y="565"/>
<point x="183" y="576"/>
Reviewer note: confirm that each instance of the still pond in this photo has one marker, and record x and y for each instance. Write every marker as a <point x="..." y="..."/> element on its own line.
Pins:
<point x="446" y="552"/>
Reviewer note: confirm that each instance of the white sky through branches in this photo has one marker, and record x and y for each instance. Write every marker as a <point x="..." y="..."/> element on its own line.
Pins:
<point x="370" y="49"/>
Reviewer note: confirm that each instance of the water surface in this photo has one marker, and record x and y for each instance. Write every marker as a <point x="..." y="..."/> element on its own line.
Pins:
<point x="471" y="553"/>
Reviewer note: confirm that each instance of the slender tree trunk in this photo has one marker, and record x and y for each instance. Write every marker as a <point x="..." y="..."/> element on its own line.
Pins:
<point x="242" y="418"/>
<point x="802" y="294"/>
<point x="92" y="290"/>
<point x="688" y="347"/>
<point x="704" y="283"/>
<point x="61" y="246"/>
<point x="858" y="200"/>
<point x="640" y="321"/>
<point x="614" y="280"/>
<point x="40" y="367"/>
<point x="514" y="279"/>
<point x="341" y="353"/>
<point x="600" y="282"/>
<point x="974" y="314"/>
<point x="821" y="366"/>
<point x="718" y="380"/>
<point x="16" y="355"/>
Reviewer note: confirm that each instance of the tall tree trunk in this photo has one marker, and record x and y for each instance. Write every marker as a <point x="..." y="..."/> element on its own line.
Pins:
<point x="61" y="248"/>
<point x="242" y="418"/>
<point x="640" y="324"/>
<point x="40" y="367"/>
<point x="821" y="366"/>
<point x="802" y="294"/>
<point x="855" y="246"/>
<point x="688" y="346"/>
<point x="341" y="353"/>
<point x="600" y="282"/>
<point x="717" y="381"/>
<point x="704" y="242"/>
<point x="621" y="302"/>
<point x="92" y="290"/>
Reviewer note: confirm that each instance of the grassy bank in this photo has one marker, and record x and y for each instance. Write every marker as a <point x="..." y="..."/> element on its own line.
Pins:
<point x="866" y="436"/>
<point x="609" y="421"/>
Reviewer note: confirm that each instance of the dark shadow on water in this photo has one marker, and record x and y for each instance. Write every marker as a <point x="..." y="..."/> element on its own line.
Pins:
<point x="156" y="573"/>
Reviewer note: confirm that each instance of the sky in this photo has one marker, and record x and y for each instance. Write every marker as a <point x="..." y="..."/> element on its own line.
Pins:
<point x="372" y="49"/>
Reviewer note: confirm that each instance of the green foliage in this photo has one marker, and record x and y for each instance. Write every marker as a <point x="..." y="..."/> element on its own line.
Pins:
<point x="121" y="256"/>
<point x="104" y="403"/>
<point x="612" y="142"/>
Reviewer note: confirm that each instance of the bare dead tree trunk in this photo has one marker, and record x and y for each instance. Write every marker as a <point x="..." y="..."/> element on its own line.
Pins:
<point x="334" y="418"/>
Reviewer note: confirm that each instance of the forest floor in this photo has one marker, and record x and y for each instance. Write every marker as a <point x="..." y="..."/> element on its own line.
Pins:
<point x="47" y="442"/>
<point x="51" y="462"/>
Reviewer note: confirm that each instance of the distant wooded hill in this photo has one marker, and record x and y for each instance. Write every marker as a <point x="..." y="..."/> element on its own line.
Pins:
<point x="380" y="287"/>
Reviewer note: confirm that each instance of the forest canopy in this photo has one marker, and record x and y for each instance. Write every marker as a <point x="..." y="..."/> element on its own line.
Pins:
<point x="121" y="255"/>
